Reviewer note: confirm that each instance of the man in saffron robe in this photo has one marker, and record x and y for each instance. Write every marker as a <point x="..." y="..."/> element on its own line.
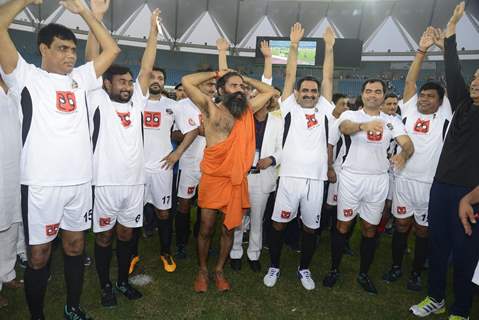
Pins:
<point x="229" y="154"/>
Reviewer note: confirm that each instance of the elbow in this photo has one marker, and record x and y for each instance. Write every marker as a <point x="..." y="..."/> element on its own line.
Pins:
<point x="116" y="51"/>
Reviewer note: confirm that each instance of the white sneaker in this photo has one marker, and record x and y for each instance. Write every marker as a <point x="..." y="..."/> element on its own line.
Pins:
<point x="271" y="277"/>
<point x="427" y="307"/>
<point x="306" y="280"/>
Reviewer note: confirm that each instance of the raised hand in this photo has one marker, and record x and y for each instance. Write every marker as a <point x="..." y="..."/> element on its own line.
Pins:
<point x="155" y="15"/>
<point x="297" y="33"/>
<point x="74" y="6"/>
<point x="99" y="7"/>
<point x="438" y="36"/>
<point x="427" y="39"/>
<point x="265" y="49"/>
<point x="458" y="13"/>
<point x="329" y="37"/>
<point x="222" y="44"/>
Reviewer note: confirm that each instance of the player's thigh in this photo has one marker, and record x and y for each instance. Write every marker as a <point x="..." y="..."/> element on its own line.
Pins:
<point x="311" y="202"/>
<point x="287" y="199"/>
<point x="375" y="190"/>
<point x="187" y="183"/>
<point x="348" y="196"/>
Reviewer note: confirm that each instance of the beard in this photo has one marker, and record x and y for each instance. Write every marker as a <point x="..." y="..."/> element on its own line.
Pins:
<point x="236" y="103"/>
<point x="122" y="97"/>
<point x="155" y="89"/>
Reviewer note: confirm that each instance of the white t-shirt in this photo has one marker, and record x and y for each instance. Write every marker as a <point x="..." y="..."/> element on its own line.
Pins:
<point x="57" y="150"/>
<point x="427" y="132"/>
<point x="366" y="152"/>
<point x="305" y="149"/>
<point x="118" y="152"/>
<point x="10" y="149"/>
<point x="189" y="119"/>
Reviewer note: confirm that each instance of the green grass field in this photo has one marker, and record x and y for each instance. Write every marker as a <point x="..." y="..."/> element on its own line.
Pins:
<point x="171" y="296"/>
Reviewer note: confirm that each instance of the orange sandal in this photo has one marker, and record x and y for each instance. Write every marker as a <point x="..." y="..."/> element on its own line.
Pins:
<point x="221" y="283"/>
<point x="201" y="282"/>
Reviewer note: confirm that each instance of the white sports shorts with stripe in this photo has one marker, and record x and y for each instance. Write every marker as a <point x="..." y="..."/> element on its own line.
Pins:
<point x="46" y="210"/>
<point x="122" y="204"/>
<point x="188" y="181"/>
<point x="299" y="192"/>
<point x="410" y="198"/>
<point x="158" y="189"/>
<point x="362" y="194"/>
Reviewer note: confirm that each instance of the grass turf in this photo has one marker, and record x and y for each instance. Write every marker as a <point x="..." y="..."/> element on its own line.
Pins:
<point x="171" y="295"/>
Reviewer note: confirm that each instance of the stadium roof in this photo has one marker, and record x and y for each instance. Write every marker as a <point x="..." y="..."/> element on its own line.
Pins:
<point x="193" y="25"/>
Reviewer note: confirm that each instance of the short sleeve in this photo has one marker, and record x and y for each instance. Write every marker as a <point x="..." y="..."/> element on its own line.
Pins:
<point x="86" y="76"/>
<point x="288" y="104"/>
<point x="18" y="77"/>
<point x="138" y="98"/>
<point x="398" y="127"/>
<point x="347" y="115"/>
<point x="445" y="109"/>
<point x="334" y="133"/>
<point x="408" y="106"/>
<point x="325" y="106"/>
<point x="185" y="119"/>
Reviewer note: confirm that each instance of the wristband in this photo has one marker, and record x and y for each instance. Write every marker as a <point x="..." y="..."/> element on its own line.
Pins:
<point x="421" y="51"/>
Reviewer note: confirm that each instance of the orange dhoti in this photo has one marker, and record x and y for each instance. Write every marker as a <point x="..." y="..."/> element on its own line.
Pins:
<point x="223" y="184"/>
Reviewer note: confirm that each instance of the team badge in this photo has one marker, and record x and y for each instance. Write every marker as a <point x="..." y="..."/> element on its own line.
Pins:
<point x="66" y="101"/>
<point x="124" y="118"/>
<point x="152" y="119"/>
<point x="52" y="229"/>
<point x="285" y="214"/>
<point x="311" y="120"/>
<point x="375" y="136"/>
<point x="422" y="126"/>
<point x="401" y="210"/>
<point x="191" y="190"/>
<point x="348" y="212"/>
<point x="105" y="221"/>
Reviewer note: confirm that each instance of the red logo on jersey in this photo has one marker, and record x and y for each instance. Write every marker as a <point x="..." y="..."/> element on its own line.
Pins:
<point x="311" y="120"/>
<point x="152" y="119"/>
<point x="105" y="221"/>
<point x="422" y="126"/>
<point x="348" y="212"/>
<point x="66" y="101"/>
<point x="52" y="229"/>
<point x="191" y="190"/>
<point x="401" y="210"/>
<point x="375" y="136"/>
<point x="124" y="118"/>
<point x="285" y="214"/>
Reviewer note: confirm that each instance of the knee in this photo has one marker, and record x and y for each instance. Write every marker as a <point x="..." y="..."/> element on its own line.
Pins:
<point x="421" y="231"/>
<point x="342" y="227"/>
<point x="162" y="214"/>
<point x="206" y="230"/>
<point x="183" y="206"/>
<point x="369" y="231"/>
<point x="39" y="258"/>
<point x="73" y="246"/>
<point x="124" y="234"/>
<point x="402" y="225"/>
<point x="278" y="226"/>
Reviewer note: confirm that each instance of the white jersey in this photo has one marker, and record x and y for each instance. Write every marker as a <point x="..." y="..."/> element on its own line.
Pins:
<point x="366" y="152"/>
<point x="57" y="148"/>
<point x="190" y="119"/>
<point x="118" y="139"/>
<point x="10" y="149"/>
<point x="305" y="148"/>
<point x="427" y="132"/>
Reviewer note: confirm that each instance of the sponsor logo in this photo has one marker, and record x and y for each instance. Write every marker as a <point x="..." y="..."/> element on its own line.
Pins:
<point x="285" y="214"/>
<point x="311" y="120"/>
<point x="124" y="118"/>
<point x="191" y="190"/>
<point x="152" y="119"/>
<point x="52" y="229"/>
<point x="422" y="126"/>
<point x="66" y="101"/>
<point x="105" y="221"/>
<point x="375" y="136"/>
<point x="348" y="212"/>
<point x="401" y="210"/>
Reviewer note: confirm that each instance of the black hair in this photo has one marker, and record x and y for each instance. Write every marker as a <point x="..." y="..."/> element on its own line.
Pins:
<point x="338" y="96"/>
<point x="391" y="95"/>
<point x="178" y="85"/>
<point x="307" y="78"/>
<point x="48" y="33"/>
<point x="155" y="68"/>
<point x="115" y="70"/>
<point x="383" y="84"/>
<point x="431" y="85"/>
<point x="221" y="82"/>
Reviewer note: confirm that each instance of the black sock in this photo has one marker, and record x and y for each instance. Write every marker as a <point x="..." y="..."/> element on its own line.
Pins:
<point x="399" y="244"/>
<point x="123" y="255"/>
<point x="308" y="246"/>
<point x="35" y="287"/>
<point x="164" y="231"/>
<point x="74" y="272"/>
<point x="134" y="242"/>
<point x="368" y="248"/>
<point x="338" y="242"/>
<point x="276" y="240"/>
<point x="332" y="213"/>
<point x="182" y="226"/>
<point x="420" y="254"/>
<point x="102" y="263"/>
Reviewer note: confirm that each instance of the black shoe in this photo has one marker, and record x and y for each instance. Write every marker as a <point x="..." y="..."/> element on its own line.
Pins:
<point x="108" y="298"/>
<point x="255" y="265"/>
<point x="366" y="283"/>
<point x="87" y="260"/>
<point x="70" y="313"/>
<point x="181" y="252"/>
<point x="393" y="274"/>
<point x="414" y="282"/>
<point x="235" y="264"/>
<point x="128" y="291"/>
<point x="331" y="278"/>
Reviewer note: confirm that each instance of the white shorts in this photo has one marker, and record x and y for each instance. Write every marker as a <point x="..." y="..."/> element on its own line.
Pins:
<point x="391" y="186"/>
<point x="363" y="195"/>
<point x="307" y="194"/>
<point x="118" y="203"/>
<point x="158" y="189"/>
<point x="411" y="198"/>
<point x="188" y="180"/>
<point x="46" y="210"/>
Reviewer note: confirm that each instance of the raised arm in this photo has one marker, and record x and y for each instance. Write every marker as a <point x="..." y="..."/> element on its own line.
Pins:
<point x="456" y="86"/>
<point x="328" y="64"/>
<point x="190" y="85"/>
<point x="265" y="92"/>
<point x="297" y="33"/>
<point x="149" y="56"/>
<point x="268" y="63"/>
<point x="426" y="41"/>
<point x="223" y="46"/>
<point x="8" y="12"/>
<point x="92" y="48"/>
<point x="110" y="49"/>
